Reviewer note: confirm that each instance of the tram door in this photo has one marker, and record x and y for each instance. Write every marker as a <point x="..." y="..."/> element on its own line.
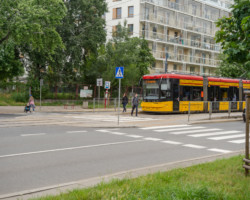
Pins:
<point x="176" y="95"/>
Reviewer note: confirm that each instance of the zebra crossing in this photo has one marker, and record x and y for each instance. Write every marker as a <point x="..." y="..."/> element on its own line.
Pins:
<point x="216" y="134"/>
<point x="112" y="118"/>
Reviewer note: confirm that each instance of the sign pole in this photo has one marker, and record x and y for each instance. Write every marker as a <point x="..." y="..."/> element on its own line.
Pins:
<point x="119" y="100"/>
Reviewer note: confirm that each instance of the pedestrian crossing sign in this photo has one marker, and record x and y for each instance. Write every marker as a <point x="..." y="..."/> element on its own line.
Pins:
<point x="119" y="72"/>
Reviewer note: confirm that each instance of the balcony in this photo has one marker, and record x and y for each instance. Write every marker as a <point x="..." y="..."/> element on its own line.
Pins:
<point x="150" y="35"/>
<point x="183" y="8"/>
<point x="195" y="60"/>
<point x="180" y="24"/>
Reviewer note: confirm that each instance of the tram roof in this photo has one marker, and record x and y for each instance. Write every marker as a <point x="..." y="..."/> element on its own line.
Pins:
<point x="193" y="77"/>
<point x="174" y="76"/>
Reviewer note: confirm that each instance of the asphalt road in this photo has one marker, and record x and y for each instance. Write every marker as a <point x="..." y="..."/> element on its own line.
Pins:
<point x="40" y="156"/>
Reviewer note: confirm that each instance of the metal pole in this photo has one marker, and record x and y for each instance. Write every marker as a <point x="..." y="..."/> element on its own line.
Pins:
<point x="229" y="109"/>
<point x="188" y="111"/>
<point x="94" y="105"/>
<point x="119" y="100"/>
<point x="210" y="109"/>
<point x="99" y="92"/>
<point x="40" y="95"/>
<point x="247" y="131"/>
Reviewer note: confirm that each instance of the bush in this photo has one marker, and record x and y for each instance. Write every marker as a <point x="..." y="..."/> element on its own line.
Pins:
<point x="20" y="97"/>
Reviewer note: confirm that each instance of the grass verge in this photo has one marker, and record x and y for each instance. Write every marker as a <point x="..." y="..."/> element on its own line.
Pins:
<point x="219" y="180"/>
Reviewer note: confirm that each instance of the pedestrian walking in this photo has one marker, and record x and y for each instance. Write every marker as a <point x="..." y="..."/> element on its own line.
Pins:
<point x="32" y="102"/>
<point x="135" y="103"/>
<point x="124" y="102"/>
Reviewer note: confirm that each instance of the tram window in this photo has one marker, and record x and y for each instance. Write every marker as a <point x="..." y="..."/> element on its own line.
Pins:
<point x="233" y="94"/>
<point x="150" y="90"/>
<point x="197" y="93"/>
<point x="185" y="93"/>
<point x="224" y="94"/>
<point x="165" y="92"/>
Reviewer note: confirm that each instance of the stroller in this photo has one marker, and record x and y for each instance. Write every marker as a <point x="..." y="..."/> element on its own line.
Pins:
<point x="27" y="108"/>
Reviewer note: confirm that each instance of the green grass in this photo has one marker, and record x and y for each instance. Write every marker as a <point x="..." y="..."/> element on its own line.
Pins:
<point x="219" y="180"/>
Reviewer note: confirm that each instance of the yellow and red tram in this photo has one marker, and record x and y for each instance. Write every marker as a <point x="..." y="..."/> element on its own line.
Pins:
<point x="174" y="92"/>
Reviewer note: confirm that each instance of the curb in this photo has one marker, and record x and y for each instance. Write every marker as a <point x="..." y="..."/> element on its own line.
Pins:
<point x="60" y="188"/>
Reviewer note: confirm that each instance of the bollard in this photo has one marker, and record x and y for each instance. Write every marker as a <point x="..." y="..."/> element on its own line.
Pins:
<point x="210" y="110"/>
<point x="188" y="111"/>
<point x="229" y="109"/>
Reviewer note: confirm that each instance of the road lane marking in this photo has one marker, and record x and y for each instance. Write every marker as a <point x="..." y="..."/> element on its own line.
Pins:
<point x="194" y="131"/>
<point x="171" y="142"/>
<point x="238" y="141"/>
<point x="76" y="131"/>
<point x="215" y="133"/>
<point x="35" y="134"/>
<point x="70" y="148"/>
<point x="227" y="137"/>
<point x="134" y="136"/>
<point x="117" y="133"/>
<point x="220" y="150"/>
<point x="152" y="139"/>
<point x="156" y="127"/>
<point x="194" y="146"/>
<point x="180" y="129"/>
<point x="107" y="130"/>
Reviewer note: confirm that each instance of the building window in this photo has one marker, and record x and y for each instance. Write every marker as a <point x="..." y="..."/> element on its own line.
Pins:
<point x="175" y="67"/>
<point x="192" y="69"/>
<point x="130" y="29"/>
<point x="131" y="11"/>
<point x="117" y="13"/>
<point x="114" y="29"/>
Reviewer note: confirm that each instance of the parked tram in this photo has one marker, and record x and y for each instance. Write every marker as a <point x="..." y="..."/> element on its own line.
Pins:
<point x="173" y="93"/>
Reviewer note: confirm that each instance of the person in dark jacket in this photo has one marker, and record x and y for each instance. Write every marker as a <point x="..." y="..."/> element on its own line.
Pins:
<point x="124" y="102"/>
<point x="135" y="103"/>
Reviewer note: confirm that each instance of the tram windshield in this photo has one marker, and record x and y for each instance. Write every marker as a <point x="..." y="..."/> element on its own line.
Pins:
<point x="150" y="90"/>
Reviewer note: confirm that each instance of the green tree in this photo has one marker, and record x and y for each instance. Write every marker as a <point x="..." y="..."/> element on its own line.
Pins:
<point x="83" y="32"/>
<point x="10" y="64"/>
<point x="234" y="36"/>
<point x="122" y="50"/>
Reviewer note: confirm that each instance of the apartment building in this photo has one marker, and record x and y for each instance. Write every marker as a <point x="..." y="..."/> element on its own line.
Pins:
<point x="180" y="33"/>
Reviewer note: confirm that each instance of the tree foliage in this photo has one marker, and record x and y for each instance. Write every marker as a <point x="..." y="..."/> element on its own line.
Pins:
<point x="234" y="36"/>
<point x="132" y="53"/>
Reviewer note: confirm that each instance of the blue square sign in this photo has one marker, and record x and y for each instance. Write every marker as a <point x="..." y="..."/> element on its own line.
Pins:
<point x="119" y="72"/>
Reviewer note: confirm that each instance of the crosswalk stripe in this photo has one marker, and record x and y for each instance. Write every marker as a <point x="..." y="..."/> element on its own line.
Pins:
<point x="117" y="133"/>
<point x="194" y="131"/>
<point x="156" y="127"/>
<point x="134" y="136"/>
<point x="220" y="150"/>
<point x="152" y="139"/>
<point x="194" y="146"/>
<point x="238" y="141"/>
<point x="76" y="131"/>
<point x="215" y="133"/>
<point x="35" y="134"/>
<point x="227" y="137"/>
<point x="171" y="142"/>
<point x="179" y="129"/>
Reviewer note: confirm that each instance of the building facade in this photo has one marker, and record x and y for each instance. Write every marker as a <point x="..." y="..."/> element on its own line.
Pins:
<point x="180" y="33"/>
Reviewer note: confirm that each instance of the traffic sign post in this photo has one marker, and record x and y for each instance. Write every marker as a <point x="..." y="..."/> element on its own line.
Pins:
<point x="119" y="74"/>
<point x="41" y="84"/>
<point x="99" y="83"/>
<point x="107" y="87"/>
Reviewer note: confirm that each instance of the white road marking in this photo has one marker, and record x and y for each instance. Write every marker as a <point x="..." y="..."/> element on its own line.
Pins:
<point x="70" y="148"/>
<point x="76" y="131"/>
<point x="108" y="130"/>
<point x="238" y="141"/>
<point x="227" y="137"/>
<point x="171" y="142"/>
<point x="194" y="131"/>
<point x="220" y="150"/>
<point x="214" y="133"/>
<point x="156" y="127"/>
<point x="194" y="146"/>
<point x="134" y="136"/>
<point x="179" y="129"/>
<point x="152" y="139"/>
<point x="112" y="118"/>
<point x="36" y="134"/>
<point x="117" y="133"/>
